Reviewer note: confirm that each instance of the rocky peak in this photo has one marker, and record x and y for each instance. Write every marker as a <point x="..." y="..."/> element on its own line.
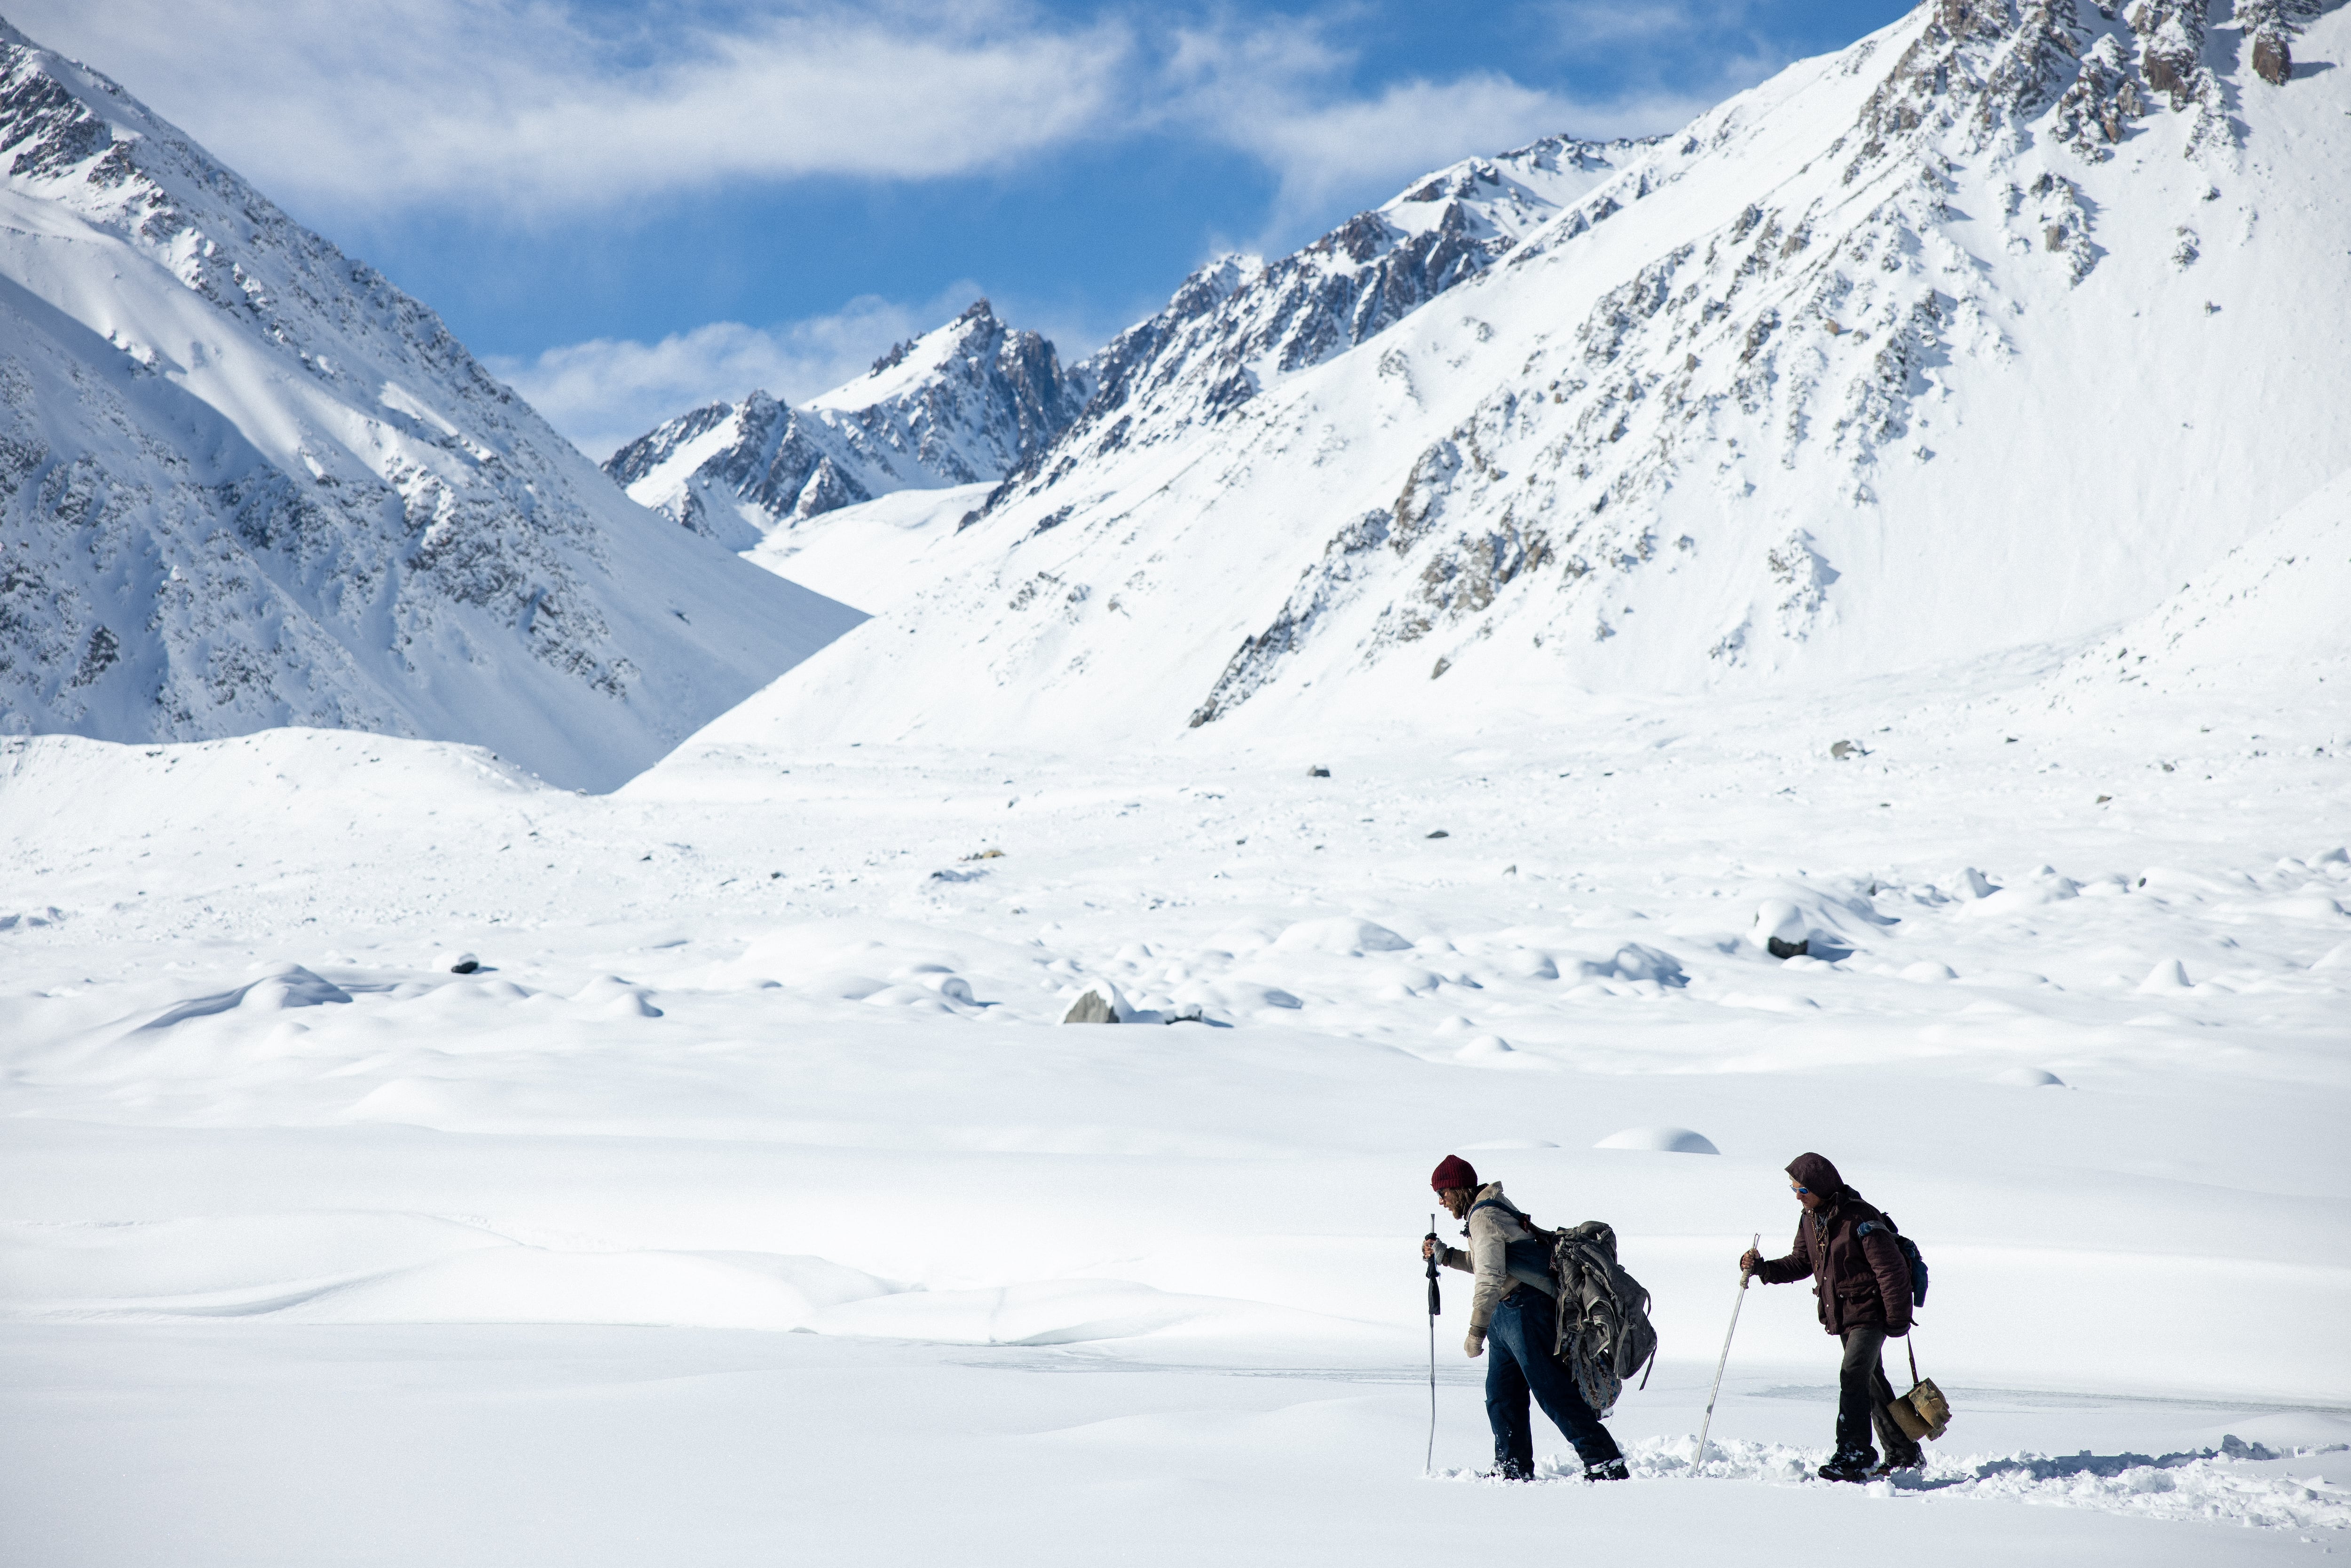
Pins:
<point x="1239" y="324"/>
<point x="960" y="404"/>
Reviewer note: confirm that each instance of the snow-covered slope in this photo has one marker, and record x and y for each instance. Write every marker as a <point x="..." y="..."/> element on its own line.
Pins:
<point x="246" y="482"/>
<point x="2273" y="610"/>
<point x="1240" y="325"/>
<point x="1990" y="331"/>
<point x="960" y="406"/>
<point x="876" y="554"/>
<point x="976" y="401"/>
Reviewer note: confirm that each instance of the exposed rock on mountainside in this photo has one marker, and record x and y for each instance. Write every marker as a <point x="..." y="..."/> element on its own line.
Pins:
<point x="1986" y="333"/>
<point x="976" y="401"/>
<point x="1239" y="324"/>
<point x="246" y="482"/>
<point x="959" y="405"/>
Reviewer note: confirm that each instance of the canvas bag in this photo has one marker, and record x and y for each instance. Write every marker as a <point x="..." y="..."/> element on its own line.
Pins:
<point x="1923" y="1413"/>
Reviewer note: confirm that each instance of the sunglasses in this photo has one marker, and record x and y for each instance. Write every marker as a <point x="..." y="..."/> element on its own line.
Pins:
<point x="1800" y="1191"/>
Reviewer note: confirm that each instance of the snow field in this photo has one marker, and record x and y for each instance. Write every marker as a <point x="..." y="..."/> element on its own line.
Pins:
<point x="768" y="1041"/>
<point x="614" y="1446"/>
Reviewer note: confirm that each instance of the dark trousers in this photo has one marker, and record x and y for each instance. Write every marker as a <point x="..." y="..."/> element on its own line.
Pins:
<point x="1862" y="1397"/>
<point x="1519" y="1363"/>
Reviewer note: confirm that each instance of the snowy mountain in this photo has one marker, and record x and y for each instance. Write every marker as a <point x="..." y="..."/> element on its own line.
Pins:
<point x="246" y="482"/>
<point x="975" y="400"/>
<point x="1239" y="324"/>
<point x="1988" y="331"/>
<point x="964" y="403"/>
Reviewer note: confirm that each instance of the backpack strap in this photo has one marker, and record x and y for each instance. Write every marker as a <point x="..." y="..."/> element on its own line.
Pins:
<point x="1515" y="1212"/>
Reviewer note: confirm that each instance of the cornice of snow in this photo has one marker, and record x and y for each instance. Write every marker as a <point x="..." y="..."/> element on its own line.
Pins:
<point x="1988" y="330"/>
<point x="246" y="482"/>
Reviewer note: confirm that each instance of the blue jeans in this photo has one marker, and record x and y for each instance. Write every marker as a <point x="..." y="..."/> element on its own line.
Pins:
<point x="1518" y="1362"/>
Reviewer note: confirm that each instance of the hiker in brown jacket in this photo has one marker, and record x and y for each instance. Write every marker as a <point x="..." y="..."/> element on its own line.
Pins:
<point x="1863" y="1284"/>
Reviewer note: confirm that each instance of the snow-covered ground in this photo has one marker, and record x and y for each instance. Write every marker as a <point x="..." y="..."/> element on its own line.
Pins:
<point x="875" y="554"/>
<point x="750" y="1203"/>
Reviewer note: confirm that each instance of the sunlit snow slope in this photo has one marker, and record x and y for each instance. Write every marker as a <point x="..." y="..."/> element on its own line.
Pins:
<point x="1991" y="331"/>
<point x="246" y="482"/>
<point x="1240" y="325"/>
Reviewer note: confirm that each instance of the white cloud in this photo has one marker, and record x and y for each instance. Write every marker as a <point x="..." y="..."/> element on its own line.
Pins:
<point x="345" y="101"/>
<point x="529" y="107"/>
<point x="607" y="391"/>
<point x="1274" y="91"/>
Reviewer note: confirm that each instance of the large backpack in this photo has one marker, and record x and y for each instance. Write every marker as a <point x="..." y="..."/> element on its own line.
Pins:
<point x="1909" y="1254"/>
<point x="1605" y="1333"/>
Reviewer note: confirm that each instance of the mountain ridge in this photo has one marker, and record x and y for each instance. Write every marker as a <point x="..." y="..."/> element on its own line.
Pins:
<point x="249" y="482"/>
<point x="959" y="404"/>
<point x="1989" y="330"/>
<point x="1239" y="323"/>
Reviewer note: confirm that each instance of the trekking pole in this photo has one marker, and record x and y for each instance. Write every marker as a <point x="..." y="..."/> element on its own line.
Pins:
<point x="1706" y="1424"/>
<point x="1429" y="1463"/>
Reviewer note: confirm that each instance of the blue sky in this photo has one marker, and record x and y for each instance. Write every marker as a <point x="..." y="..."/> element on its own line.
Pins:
<point x="630" y="209"/>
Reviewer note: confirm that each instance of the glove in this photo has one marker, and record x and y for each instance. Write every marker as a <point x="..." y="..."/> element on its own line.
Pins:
<point x="1475" y="1346"/>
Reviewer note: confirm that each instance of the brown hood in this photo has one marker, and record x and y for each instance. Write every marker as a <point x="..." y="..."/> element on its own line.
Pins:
<point x="1814" y="1171"/>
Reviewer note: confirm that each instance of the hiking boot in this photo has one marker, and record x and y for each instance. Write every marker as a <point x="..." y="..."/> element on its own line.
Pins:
<point x="1847" y="1468"/>
<point x="1510" y="1470"/>
<point x="1607" y="1470"/>
<point x="1901" y="1462"/>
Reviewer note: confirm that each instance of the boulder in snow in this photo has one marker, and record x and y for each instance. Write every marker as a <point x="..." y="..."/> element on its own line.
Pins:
<point x="1090" y="1008"/>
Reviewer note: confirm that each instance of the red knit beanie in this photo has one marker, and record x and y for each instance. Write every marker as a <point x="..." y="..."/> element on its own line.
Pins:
<point x="1453" y="1171"/>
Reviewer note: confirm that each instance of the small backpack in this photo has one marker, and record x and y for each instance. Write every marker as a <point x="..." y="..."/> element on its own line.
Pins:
<point x="1910" y="1254"/>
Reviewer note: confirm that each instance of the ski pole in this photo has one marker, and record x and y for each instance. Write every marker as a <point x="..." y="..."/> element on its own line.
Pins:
<point x="1737" y="1301"/>
<point x="1429" y="1463"/>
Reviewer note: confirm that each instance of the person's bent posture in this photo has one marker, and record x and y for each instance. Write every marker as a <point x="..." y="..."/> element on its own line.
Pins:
<point x="1862" y="1282"/>
<point x="1514" y="1308"/>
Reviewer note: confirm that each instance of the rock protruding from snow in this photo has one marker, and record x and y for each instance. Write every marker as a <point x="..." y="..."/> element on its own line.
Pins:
<point x="1090" y="1008"/>
<point x="966" y="404"/>
<point x="244" y="482"/>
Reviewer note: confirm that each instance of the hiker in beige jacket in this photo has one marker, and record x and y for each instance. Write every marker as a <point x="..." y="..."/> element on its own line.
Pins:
<point x="1513" y="1306"/>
